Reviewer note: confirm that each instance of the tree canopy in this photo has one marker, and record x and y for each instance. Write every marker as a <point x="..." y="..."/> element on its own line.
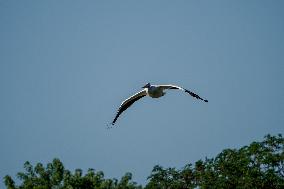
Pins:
<point x="259" y="165"/>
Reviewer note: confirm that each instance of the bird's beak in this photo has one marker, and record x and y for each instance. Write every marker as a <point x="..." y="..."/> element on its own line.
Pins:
<point x="146" y="86"/>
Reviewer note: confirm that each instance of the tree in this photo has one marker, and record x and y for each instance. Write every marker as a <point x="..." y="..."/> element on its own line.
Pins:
<point x="257" y="166"/>
<point x="55" y="176"/>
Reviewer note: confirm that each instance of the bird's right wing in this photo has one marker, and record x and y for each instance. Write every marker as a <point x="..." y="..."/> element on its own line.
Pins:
<point x="128" y="102"/>
<point x="183" y="89"/>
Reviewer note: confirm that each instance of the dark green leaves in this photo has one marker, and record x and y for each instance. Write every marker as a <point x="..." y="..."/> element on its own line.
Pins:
<point x="257" y="166"/>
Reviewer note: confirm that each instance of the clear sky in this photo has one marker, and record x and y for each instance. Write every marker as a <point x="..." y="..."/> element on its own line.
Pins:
<point x="65" y="67"/>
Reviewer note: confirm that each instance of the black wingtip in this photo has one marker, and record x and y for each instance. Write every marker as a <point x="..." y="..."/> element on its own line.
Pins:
<point x="110" y="125"/>
<point x="205" y="100"/>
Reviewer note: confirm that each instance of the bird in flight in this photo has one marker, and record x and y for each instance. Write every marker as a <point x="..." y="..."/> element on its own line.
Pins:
<point x="154" y="91"/>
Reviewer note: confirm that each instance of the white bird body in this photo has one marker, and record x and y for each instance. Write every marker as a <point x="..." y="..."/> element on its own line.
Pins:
<point x="154" y="91"/>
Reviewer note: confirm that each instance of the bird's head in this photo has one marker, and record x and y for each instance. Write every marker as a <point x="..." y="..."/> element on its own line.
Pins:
<point x="147" y="85"/>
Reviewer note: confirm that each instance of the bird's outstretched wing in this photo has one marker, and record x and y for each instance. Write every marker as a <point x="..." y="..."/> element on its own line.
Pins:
<point x="128" y="102"/>
<point x="183" y="89"/>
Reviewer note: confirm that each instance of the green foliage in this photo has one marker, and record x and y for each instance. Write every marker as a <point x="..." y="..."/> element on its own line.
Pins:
<point x="55" y="176"/>
<point x="257" y="166"/>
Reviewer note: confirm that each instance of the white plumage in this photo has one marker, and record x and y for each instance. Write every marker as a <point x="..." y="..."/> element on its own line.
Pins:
<point x="154" y="91"/>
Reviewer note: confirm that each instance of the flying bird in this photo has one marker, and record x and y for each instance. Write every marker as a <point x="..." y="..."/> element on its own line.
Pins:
<point x="154" y="91"/>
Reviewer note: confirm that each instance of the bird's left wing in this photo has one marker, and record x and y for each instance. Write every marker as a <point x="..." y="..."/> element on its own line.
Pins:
<point x="128" y="102"/>
<point x="183" y="89"/>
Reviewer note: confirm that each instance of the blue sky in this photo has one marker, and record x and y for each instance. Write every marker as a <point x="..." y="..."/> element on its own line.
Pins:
<point x="65" y="67"/>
